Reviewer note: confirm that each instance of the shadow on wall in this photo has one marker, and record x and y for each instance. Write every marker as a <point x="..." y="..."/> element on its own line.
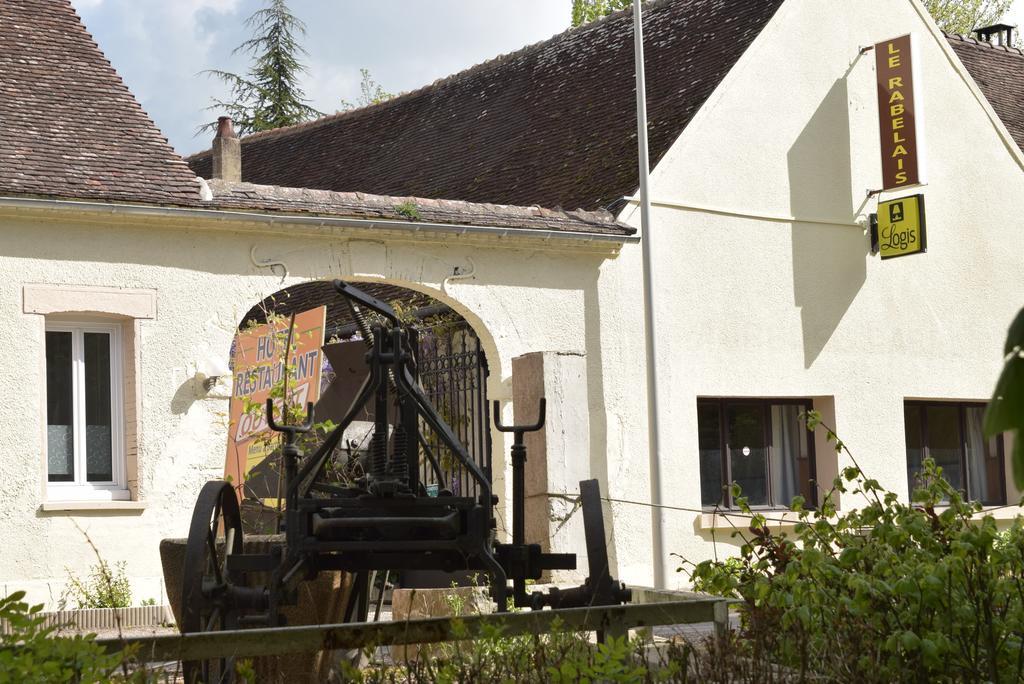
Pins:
<point x="186" y="395"/>
<point x="829" y="262"/>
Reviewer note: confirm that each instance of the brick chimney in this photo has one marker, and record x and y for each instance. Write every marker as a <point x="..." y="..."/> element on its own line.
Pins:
<point x="227" y="152"/>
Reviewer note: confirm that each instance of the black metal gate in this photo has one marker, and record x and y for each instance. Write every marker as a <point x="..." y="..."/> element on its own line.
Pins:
<point x="453" y="373"/>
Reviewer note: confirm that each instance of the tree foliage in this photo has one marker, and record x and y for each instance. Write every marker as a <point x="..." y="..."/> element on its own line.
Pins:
<point x="269" y="95"/>
<point x="963" y="16"/>
<point x="584" y="11"/>
<point x="370" y="93"/>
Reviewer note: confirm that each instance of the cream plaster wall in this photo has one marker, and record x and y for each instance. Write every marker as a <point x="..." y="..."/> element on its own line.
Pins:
<point x="523" y="297"/>
<point x="765" y="283"/>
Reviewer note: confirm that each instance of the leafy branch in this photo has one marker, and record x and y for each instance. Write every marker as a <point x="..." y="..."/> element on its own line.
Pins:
<point x="1005" y="413"/>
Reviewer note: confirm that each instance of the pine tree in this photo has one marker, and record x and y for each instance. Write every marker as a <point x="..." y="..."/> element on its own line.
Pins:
<point x="269" y="95"/>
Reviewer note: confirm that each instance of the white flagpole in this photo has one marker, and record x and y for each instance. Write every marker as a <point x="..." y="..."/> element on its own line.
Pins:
<point x="647" y="248"/>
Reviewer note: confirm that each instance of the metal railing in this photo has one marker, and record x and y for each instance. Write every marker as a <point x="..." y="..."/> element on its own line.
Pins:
<point x="304" y="639"/>
<point x="453" y="373"/>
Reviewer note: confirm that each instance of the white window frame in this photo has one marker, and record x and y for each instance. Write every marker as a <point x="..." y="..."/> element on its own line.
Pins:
<point x="81" y="489"/>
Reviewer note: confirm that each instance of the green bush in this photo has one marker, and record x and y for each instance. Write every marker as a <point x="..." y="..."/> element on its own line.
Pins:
<point x="105" y="587"/>
<point x="891" y="592"/>
<point x="32" y="653"/>
<point x="560" y="657"/>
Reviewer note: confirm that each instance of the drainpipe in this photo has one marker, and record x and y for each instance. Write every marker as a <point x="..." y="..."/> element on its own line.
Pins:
<point x="650" y="331"/>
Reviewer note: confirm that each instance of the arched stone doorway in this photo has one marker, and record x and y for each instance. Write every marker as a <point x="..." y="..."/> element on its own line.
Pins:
<point x="451" y="366"/>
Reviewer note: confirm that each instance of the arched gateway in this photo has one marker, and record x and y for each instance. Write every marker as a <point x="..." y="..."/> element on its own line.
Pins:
<point x="451" y="368"/>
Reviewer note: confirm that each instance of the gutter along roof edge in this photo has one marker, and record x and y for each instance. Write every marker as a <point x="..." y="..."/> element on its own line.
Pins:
<point x="413" y="227"/>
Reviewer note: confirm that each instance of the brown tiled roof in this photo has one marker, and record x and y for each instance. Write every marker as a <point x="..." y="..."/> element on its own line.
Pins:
<point x="999" y="73"/>
<point x="270" y="198"/>
<point x="69" y="127"/>
<point x="551" y="125"/>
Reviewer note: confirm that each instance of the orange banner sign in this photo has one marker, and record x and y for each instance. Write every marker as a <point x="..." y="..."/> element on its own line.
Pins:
<point x="258" y="368"/>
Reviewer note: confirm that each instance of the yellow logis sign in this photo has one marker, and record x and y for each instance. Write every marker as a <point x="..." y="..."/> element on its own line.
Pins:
<point x="901" y="227"/>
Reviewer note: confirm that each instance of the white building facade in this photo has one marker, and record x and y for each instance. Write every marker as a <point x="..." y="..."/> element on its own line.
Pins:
<point x="768" y="302"/>
<point x="767" y="287"/>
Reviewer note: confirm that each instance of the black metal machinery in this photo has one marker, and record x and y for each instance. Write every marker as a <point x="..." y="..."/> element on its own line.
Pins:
<point x="383" y="520"/>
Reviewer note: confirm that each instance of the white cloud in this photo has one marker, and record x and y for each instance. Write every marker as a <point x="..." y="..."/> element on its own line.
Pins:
<point x="158" y="48"/>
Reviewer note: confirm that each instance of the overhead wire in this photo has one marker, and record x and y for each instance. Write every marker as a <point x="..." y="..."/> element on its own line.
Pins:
<point x="752" y="514"/>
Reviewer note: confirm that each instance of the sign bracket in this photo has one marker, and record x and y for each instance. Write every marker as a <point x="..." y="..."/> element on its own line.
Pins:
<point x="873" y="232"/>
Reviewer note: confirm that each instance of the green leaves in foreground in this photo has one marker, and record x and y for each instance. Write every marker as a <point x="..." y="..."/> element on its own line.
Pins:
<point x="887" y="591"/>
<point x="1005" y="412"/>
<point x="32" y="652"/>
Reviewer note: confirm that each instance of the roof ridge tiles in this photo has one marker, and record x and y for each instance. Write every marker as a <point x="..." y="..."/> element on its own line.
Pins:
<point x="258" y="197"/>
<point x="999" y="73"/>
<point x="971" y="40"/>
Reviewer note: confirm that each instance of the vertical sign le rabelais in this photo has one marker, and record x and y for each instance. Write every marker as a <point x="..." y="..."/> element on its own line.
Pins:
<point x="898" y="113"/>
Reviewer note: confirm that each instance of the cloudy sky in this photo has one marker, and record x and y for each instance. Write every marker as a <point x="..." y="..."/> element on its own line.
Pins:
<point x="160" y="46"/>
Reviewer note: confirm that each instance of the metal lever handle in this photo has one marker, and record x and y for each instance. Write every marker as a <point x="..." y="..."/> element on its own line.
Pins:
<point x="520" y="429"/>
<point x="363" y="299"/>
<point x="306" y="426"/>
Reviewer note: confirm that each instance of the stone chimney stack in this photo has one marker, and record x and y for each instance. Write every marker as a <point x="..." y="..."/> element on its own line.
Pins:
<point x="227" y="152"/>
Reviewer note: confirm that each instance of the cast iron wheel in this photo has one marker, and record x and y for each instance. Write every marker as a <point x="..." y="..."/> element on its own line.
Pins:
<point x="207" y="603"/>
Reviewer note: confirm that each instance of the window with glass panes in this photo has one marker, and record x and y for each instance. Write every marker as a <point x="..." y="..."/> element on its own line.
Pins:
<point x="84" y="453"/>
<point x="951" y="434"/>
<point x="763" y="445"/>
